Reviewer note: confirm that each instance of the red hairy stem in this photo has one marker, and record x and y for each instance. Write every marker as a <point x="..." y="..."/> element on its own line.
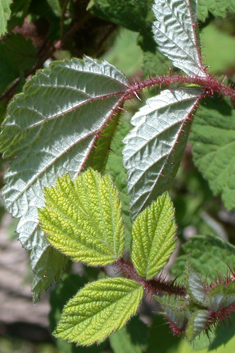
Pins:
<point x="154" y="286"/>
<point x="211" y="84"/>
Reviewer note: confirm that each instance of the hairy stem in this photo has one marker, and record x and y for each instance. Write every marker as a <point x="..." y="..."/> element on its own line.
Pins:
<point x="209" y="83"/>
<point x="158" y="285"/>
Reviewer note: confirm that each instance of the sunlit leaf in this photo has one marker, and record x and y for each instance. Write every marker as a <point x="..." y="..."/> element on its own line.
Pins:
<point x="174" y="32"/>
<point x="99" y="309"/>
<point x="153" y="237"/>
<point x="83" y="219"/>
<point x="50" y="130"/>
<point x="154" y="147"/>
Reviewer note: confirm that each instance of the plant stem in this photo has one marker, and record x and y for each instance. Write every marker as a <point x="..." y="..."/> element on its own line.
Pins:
<point x="158" y="285"/>
<point x="209" y="83"/>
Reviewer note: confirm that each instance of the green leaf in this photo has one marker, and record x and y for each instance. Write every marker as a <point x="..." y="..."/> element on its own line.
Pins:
<point x="83" y="218"/>
<point x="213" y="140"/>
<point x="197" y="323"/>
<point x="99" y="309"/>
<point x="217" y="8"/>
<point x="16" y="55"/>
<point x="194" y="286"/>
<point x="207" y="255"/>
<point x="52" y="128"/>
<point x="19" y="10"/>
<point x="153" y="237"/>
<point x="131" y="338"/>
<point x="66" y="289"/>
<point x="154" y="147"/>
<point x="174" y="32"/>
<point x="176" y="314"/>
<point x="4" y="15"/>
<point x="48" y="265"/>
<point x="132" y="15"/>
<point x="55" y="6"/>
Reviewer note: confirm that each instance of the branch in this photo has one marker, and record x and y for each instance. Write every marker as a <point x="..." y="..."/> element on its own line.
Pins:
<point x="209" y="83"/>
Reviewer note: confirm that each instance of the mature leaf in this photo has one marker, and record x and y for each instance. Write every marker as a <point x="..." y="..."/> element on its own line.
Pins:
<point x="19" y="10"/>
<point x="16" y="55"/>
<point x="52" y="128"/>
<point x="55" y="6"/>
<point x="174" y="32"/>
<point x="208" y="254"/>
<point x="217" y="8"/>
<point x="194" y="286"/>
<point x="154" y="147"/>
<point x="47" y="264"/>
<point x="98" y="309"/>
<point x="131" y="338"/>
<point x="83" y="219"/>
<point x="197" y="323"/>
<point x="213" y="140"/>
<point x="132" y="15"/>
<point x="153" y="237"/>
<point x="115" y="168"/>
<point x="4" y="15"/>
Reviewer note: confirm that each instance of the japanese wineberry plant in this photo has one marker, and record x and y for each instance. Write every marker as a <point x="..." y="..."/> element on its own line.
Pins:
<point x="59" y="132"/>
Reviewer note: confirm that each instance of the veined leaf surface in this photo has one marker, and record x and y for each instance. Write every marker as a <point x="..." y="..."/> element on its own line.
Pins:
<point x="154" y="147"/>
<point x="213" y="140"/>
<point x="83" y="219"/>
<point x="51" y="128"/>
<point x="153" y="237"/>
<point x="99" y="309"/>
<point x="174" y="32"/>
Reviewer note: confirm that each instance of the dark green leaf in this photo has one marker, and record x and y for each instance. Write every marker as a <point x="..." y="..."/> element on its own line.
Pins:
<point x="213" y="140"/>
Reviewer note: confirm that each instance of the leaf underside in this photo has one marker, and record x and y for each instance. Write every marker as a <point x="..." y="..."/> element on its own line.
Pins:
<point x="99" y="309"/>
<point x="154" y="147"/>
<point x="153" y="237"/>
<point x="83" y="219"/>
<point x="174" y="32"/>
<point x="52" y="127"/>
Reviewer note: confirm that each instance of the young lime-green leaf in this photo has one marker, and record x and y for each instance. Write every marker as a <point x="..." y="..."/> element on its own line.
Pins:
<point x="153" y="237"/>
<point x="197" y="323"/>
<point x="83" y="218"/>
<point x="213" y="140"/>
<point x="155" y="146"/>
<point x="194" y="285"/>
<point x="4" y="15"/>
<point x="99" y="309"/>
<point x="50" y="130"/>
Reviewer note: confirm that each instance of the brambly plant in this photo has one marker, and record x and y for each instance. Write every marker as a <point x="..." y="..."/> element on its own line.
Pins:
<point x="59" y="134"/>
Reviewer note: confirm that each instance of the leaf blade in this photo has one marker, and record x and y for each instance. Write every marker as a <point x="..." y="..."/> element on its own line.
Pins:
<point x="98" y="309"/>
<point x="83" y="219"/>
<point x="175" y="34"/>
<point x="73" y="99"/>
<point x="213" y="136"/>
<point x="154" y="147"/>
<point x="4" y="15"/>
<point x="153" y="237"/>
